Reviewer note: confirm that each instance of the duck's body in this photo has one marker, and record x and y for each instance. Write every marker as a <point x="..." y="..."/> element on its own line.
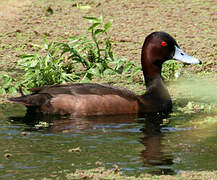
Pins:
<point x="96" y="99"/>
<point x="82" y="100"/>
<point x="90" y="99"/>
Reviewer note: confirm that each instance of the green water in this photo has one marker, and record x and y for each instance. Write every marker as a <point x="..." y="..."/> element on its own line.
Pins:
<point x="137" y="145"/>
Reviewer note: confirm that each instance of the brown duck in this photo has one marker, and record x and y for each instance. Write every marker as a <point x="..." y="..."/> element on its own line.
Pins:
<point x="100" y="99"/>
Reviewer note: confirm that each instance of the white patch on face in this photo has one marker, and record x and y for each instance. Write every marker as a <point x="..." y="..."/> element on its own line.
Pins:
<point x="180" y="55"/>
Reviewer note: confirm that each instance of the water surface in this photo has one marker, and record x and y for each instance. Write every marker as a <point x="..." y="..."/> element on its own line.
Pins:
<point x="137" y="145"/>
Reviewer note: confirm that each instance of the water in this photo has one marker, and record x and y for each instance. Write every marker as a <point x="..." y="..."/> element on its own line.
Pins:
<point x="137" y="145"/>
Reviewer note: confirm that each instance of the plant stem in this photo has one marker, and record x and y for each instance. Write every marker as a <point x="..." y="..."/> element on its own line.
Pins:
<point x="97" y="45"/>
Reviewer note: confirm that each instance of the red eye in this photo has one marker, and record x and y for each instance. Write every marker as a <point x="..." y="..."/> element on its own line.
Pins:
<point x="163" y="43"/>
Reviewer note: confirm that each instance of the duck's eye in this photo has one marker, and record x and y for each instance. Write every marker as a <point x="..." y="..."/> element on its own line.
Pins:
<point x="163" y="43"/>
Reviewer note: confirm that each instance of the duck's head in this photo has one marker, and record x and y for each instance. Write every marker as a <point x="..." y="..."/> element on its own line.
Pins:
<point x="160" y="47"/>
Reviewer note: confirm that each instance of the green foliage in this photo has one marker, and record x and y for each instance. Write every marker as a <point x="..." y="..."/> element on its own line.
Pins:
<point x="9" y="84"/>
<point x="60" y="62"/>
<point x="45" y="69"/>
<point x="171" y="70"/>
<point x="96" y="54"/>
<point x="80" y="58"/>
<point x="194" y="107"/>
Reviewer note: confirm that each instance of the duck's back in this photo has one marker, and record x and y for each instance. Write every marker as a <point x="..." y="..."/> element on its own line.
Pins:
<point x="81" y="100"/>
<point x="85" y="89"/>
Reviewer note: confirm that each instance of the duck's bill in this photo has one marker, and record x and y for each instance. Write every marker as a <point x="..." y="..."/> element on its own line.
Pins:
<point x="183" y="57"/>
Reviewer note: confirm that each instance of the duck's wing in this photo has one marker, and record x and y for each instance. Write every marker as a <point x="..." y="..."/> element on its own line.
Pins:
<point x="84" y="89"/>
<point x="80" y="100"/>
<point x="42" y="94"/>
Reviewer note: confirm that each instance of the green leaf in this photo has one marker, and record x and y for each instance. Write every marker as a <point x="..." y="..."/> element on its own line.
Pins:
<point x="136" y="70"/>
<point x="93" y="26"/>
<point x="101" y="17"/>
<point x="12" y="90"/>
<point x="101" y="50"/>
<point x="118" y="63"/>
<point x="2" y="91"/>
<point x="50" y="45"/>
<point x="107" y="25"/>
<point x="85" y="81"/>
<point x="127" y="67"/>
<point x="94" y="71"/>
<point x="98" y="31"/>
<point x="85" y="7"/>
<point x="74" y="39"/>
<point x="109" y="72"/>
<point x="26" y="55"/>
<point x="111" y="55"/>
<point x="46" y="61"/>
<point x="7" y="82"/>
<point x="55" y="51"/>
<point x="100" y="66"/>
<point x="92" y="19"/>
<point x="57" y="60"/>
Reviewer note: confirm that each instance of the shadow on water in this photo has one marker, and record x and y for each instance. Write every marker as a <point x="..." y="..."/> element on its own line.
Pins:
<point x="136" y="144"/>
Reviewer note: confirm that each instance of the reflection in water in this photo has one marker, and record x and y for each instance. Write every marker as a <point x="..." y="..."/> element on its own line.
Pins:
<point x="65" y="124"/>
<point x="152" y="155"/>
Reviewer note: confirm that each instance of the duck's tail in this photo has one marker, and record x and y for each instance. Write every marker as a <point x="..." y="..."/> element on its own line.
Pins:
<point x="31" y="100"/>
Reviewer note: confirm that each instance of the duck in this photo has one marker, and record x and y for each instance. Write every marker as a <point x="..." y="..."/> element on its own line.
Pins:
<point x="91" y="99"/>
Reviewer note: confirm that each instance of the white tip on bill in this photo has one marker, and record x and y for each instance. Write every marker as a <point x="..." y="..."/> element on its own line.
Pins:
<point x="183" y="57"/>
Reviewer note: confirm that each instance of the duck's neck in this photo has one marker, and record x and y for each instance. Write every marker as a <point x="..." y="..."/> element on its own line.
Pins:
<point x="156" y="88"/>
<point x="154" y="84"/>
